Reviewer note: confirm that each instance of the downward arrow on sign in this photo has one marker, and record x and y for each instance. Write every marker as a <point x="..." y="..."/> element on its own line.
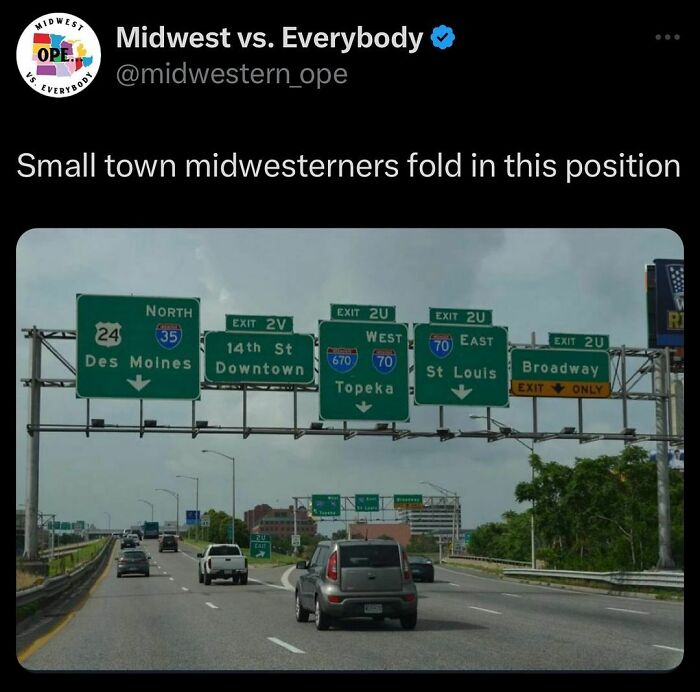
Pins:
<point x="461" y="392"/>
<point x="364" y="406"/>
<point x="138" y="384"/>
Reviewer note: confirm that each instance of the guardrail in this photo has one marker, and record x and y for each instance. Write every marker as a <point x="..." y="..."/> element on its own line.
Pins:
<point x="54" y="586"/>
<point x="487" y="559"/>
<point x="69" y="548"/>
<point x="666" y="579"/>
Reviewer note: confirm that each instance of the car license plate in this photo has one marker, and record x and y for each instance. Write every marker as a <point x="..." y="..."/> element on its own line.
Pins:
<point x="373" y="608"/>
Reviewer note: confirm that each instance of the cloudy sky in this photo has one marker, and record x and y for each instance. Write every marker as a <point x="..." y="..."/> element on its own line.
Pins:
<point x="575" y="280"/>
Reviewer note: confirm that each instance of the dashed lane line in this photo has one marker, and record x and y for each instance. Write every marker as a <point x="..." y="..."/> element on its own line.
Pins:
<point x="211" y="605"/>
<point x="184" y="588"/>
<point x="628" y="610"/>
<point x="486" y="610"/>
<point x="512" y="595"/>
<point x="289" y="647"/>
<point x="670" y="648"/>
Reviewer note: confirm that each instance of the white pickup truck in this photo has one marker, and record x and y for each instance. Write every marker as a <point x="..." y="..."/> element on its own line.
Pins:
<point x="222" y="561"/>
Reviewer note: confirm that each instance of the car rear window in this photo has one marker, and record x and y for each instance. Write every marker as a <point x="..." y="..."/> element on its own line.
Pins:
<point x="225" y="550"/>
<point x="134" y="557"/>
<point x="363" y="555"/>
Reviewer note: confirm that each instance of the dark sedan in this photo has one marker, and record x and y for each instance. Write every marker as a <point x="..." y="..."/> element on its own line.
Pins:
<point x="133" y="561"/>
<point x="422" y="568"/>
<point x="128" y="543"/>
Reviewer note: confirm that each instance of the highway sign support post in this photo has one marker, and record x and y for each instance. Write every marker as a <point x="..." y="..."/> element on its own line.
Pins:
<point x="363" y="370"/>
<point x="137" y="347"/>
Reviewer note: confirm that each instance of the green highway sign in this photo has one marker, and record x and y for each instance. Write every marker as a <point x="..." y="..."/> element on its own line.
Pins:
<point x="560" y="373"/>
<point x="325" y="505"/>
<point x="408" y="502"/>
<point x="262" y="537"/>
<point x="261" y="549"/>
<point x="366" y="503"/>
<point x="259" y="358"/>
<point x="457" y="365"/>
<point x="363" y="371"/>
<point x="363" y="313"/>
<point x="467" y="537"/>
<point x="259" y="323"/>
<point x="136" y="347"/>
<point x="579" y="341"/>
<point x="469" y="317"/>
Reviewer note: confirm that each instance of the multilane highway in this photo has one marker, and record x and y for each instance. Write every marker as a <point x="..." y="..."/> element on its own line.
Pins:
<point x="466" y="621"/>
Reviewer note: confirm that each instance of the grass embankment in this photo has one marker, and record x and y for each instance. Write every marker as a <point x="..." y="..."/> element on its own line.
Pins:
<point x="276" y="558"/>
<point x="59" y="565"/>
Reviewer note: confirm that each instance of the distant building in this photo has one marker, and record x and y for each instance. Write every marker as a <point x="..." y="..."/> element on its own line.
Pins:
<point x="438" y="517"/>
<point x="400" y="532"/>
<point x="279" y="521"/>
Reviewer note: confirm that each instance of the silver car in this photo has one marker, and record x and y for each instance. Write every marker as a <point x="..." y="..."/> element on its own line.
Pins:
<point x="351" y="579"/>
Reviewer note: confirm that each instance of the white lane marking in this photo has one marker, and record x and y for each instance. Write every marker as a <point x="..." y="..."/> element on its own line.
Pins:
<point x="289" y="647"/>
<point x="171" y="578"/>
<point x="264" y="583"/>
<point x="513" y="595"/>
<point x="627" y="610"/>
<point x="285" y="578"/>
<point x="670" y="648"/>
<point x="164" y="572"/>
<point x="453" y="584"/>
<point x="194" y="559"/>
<point x="486" y="610"/>
<point x="184" y="588"/>
<point x="211" y="605"/>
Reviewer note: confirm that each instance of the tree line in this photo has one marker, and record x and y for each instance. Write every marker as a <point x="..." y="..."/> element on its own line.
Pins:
<point x="598" y="515"/>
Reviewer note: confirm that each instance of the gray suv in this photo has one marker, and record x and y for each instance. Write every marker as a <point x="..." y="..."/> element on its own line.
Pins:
<point x="350" y="579"/>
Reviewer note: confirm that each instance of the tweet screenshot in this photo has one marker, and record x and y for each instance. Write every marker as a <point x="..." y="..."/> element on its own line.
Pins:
<point x="349" y="340"/>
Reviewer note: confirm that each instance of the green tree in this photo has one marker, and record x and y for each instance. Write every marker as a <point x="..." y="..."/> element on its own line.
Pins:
<point x="423" y="543"/>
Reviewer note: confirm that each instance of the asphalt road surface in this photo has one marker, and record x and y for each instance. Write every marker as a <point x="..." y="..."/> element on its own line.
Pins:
<point x="466" y="622"/>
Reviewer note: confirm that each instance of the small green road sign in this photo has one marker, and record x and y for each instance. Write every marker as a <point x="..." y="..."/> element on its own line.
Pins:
<point x="262" y="537"/>
<point x="467" y="537"/>
<point x="363" y="371"/>
<point x="259" y="323"/>
<point x="408" y="502"/>
<point x="136" y="347"/>
<point x="261" y="549"/>
<point x="363" y="313"/>
<point x="473" y="318"/>
<point x="579" y="341"/>
<point x="258" y="358"/>
<point x="460" y="366"/>
<point x="296" y="540"/>
<point x="325" y="505"/>
<point x="560" y="373"/>
<point x="366" y="503"/>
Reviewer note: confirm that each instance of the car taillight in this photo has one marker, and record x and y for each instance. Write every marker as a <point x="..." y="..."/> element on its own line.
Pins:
<point x="332" y="571"/>
<point x="245" y="562"/>
<point x="409" y="597"/>
<point x="335" y="599"/>
<point x="406" y="566"/>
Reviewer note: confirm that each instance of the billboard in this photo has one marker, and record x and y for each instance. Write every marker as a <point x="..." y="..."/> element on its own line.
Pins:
<point x="669" y="302"/>
<point x="676" y="458"/>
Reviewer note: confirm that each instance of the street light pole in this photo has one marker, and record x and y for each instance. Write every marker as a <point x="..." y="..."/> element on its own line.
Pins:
<point x="233" y="490"/>
<point x="196" y="498"/>
<point x="151" y="505"/>
<point x="176" y="495"/>
<point x="531" y="449"/>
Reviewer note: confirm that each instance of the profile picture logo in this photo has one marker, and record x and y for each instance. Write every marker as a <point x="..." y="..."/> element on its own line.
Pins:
<point x="58" y="55"/>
